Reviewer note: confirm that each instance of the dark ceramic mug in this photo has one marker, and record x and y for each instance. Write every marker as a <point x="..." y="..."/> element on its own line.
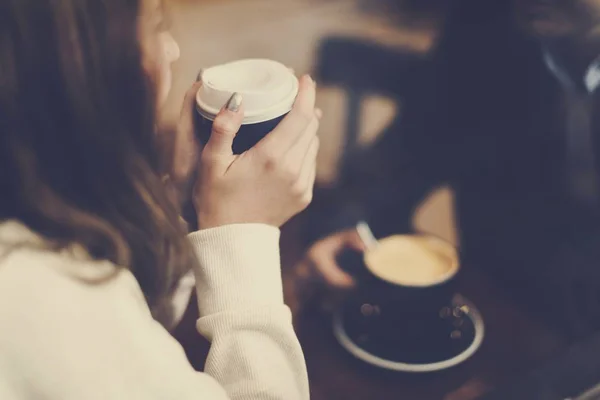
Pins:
<point x="414" y="320"/>
<point x="406" y="295"/>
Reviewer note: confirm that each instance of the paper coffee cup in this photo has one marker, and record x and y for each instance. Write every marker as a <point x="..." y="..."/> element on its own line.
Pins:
<point x="268" y="90"/>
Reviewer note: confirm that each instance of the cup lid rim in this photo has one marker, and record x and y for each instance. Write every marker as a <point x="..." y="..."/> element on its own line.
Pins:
<point x="278" y="108"/>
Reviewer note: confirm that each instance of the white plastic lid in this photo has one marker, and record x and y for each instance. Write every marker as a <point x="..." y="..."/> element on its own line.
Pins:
<point x="268" y="89"/>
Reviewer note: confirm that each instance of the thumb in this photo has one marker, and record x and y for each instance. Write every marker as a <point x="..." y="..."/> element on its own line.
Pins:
<point x="225" y="126"/>
<point x="354" y="241"/>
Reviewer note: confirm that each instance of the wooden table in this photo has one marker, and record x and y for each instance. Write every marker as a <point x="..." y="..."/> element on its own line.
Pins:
<point x="513" y="344"/>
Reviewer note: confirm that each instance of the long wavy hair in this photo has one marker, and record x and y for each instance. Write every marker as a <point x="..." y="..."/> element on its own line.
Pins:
<point x="79" y="162"/>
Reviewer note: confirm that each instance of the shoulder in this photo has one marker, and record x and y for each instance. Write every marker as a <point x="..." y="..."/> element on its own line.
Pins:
<point x="29" y="266"/>
<point x="52" y="296"/>
<point x="29" y="274"/>
<point x="72" y="328"/>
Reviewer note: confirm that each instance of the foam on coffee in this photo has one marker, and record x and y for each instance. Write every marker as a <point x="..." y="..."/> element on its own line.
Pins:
<point x="412" y="260"/>
<point x="268" y="89"/>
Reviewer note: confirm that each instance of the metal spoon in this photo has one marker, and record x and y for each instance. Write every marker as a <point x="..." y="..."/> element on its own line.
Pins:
<point x="366" y="235"/>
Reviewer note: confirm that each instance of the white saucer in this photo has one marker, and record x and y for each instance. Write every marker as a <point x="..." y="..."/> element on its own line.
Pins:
<point x="347" y="343"/>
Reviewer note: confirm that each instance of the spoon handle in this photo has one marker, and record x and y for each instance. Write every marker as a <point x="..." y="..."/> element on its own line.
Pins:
<point x="366" y="235"/>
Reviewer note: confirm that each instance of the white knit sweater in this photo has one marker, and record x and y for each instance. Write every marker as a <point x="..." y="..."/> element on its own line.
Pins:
<point x="63" y="338"/>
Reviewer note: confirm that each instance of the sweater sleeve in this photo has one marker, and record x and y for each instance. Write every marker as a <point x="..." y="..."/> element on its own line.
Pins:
<point x="66" y="338"/>
<point x="254" y="351"/>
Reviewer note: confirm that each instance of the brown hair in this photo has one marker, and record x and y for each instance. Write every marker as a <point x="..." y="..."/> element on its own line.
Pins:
<point x="78" y="158"/>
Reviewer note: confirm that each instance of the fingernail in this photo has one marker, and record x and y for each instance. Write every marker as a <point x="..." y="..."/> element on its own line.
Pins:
<point x="199" y="77"/>
<point x="234" y="102"/>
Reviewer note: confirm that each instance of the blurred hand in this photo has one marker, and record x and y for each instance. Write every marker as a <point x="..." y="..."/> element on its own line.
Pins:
<point x="269" y="183"/>
<point x="322" y="257"/>
<point x="319" y="274"/>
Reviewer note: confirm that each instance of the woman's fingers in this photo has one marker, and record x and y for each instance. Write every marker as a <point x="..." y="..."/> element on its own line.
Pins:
<point x="295" y="123"/>
<point x="296" y="154"/>
<point x="308" y="171"/>
<point x="225" y="127"/>
<point x="319" y="113"/>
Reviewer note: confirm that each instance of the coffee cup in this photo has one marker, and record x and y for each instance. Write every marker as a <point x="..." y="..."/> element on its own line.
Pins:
<point x="268" y="89"/>
<point x="403" y="302"/>
<point x="415" y="272"/>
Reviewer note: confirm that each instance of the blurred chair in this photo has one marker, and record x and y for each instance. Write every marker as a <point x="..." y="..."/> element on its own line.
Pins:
<point x="360" y="68"/>
<point x="363" y="68"/>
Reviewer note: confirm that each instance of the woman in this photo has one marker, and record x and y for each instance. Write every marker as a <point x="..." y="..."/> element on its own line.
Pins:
<point x="90" y="241"/>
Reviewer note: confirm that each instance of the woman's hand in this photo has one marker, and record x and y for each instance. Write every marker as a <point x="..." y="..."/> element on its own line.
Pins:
<point x="269" y="183"/>
<point x="181" y="151"/>
<point x="186" y="148"/>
